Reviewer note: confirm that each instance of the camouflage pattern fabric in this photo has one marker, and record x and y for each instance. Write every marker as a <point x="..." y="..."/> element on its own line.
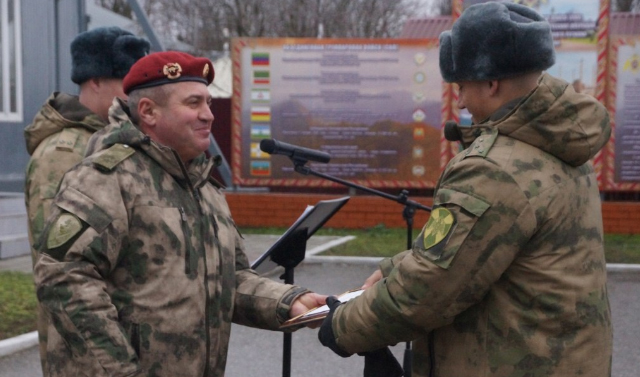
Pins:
<point x="142" y="269"/>
<point x="509" y="277"/>
<point x="56" y="141"/>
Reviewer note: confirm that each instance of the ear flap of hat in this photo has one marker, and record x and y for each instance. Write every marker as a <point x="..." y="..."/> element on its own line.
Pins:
<point x="447" y="67"/>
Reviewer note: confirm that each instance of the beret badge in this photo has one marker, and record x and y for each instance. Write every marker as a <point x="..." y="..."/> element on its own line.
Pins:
<point x="172" y="70"/>
<point x="205" y="71"/>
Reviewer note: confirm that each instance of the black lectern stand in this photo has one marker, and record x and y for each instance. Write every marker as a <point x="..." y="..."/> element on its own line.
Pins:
<point x="408" y="212"/>
<point x="289" y="250"/>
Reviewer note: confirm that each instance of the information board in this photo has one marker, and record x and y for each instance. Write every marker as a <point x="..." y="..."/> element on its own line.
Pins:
<point x="373" y="105"/>
<point x="626" y="113"/>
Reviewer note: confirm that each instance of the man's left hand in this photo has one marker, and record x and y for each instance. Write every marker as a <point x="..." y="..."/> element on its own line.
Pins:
<point x="325" y="335"/>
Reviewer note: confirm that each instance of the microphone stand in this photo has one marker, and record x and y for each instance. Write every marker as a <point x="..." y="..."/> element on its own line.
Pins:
<point x="408" y="212"/>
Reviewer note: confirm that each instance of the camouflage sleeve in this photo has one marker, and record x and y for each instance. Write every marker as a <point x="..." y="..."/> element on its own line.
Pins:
<point x="387" y="264"/>
<point x="260" y="302"/>
<point x="473" y="234"/>
<point x="79" y="247"/>
<point x="44" y="173"/>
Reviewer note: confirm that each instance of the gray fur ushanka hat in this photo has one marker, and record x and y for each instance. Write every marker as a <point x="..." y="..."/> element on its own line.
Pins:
<point x="493" y="41"/>
<point x="105" y="52"/>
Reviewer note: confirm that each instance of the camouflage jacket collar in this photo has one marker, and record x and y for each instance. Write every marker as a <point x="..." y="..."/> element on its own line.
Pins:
<point x="60" y="111"/>
<point x="554" y="118"/>
<point x="122" y="130"/>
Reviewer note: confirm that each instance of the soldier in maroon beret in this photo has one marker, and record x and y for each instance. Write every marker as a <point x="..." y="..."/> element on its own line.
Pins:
<point x="142" y="268"/>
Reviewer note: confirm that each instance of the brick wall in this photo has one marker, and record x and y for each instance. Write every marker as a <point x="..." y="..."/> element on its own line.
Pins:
<point x="621" y="217"/>
<point x="281" y="210"/>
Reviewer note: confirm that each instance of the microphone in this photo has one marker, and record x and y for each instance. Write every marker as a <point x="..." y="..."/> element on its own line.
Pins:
<point x="451" y="131"/>
<point x="273" y="146"/>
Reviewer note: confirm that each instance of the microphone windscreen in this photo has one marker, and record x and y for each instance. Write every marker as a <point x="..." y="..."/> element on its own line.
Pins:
<point x="451" y="131"/>
<point x="268" y="145"/>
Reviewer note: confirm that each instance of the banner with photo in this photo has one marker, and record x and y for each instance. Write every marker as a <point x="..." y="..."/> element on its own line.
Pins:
<point x="374" y="105"/>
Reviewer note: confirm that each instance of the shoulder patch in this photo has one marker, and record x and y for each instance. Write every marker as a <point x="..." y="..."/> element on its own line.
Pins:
<point x="66" y="140"/>
<point x="63" y="229"/>
<point x="438" y="227"/>
<point x="482" y="144"/>
<point x="110" y="158"/>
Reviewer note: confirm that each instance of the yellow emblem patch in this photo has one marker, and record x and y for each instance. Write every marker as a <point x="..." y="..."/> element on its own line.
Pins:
<point x="65" y="227"/>
<point x="440" y="223"/>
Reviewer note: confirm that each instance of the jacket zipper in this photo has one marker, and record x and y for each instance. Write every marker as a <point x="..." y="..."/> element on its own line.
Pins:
<point x="205" y="280"/>
<point x="196" y="198"/>
<point x="188" y="254"/>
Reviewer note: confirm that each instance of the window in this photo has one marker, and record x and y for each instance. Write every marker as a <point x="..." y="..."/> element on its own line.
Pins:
<point x="10" y="62"/>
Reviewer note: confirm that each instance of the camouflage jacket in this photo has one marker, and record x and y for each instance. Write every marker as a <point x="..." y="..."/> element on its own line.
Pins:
<point x="56" y="141"/>
<point x="508" y="276"/>
<point x="142" y="268"/>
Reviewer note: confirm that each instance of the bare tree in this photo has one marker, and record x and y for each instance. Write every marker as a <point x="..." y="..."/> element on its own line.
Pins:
<point x="207" y="24"/>
<point x="365" y="18"/>
<point x="247" y="17"/>
<point x="298" y="18"/>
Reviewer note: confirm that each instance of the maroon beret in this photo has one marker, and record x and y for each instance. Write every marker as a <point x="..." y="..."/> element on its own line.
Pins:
<point x="165" y="68"/>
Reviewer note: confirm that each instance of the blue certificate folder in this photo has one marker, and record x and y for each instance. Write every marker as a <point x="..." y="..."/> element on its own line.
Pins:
<point x="312" y="219"/>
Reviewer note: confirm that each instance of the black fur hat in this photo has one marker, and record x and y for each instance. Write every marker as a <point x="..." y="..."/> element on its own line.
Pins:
<point x="105" y="52"/>
<point x="494" y="41"/>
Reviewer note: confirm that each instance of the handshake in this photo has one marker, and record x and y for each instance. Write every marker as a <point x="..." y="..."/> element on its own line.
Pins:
<point x="377" y="363"/>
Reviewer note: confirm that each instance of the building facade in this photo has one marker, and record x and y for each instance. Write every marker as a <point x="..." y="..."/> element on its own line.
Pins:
<point x="35" y="60"/>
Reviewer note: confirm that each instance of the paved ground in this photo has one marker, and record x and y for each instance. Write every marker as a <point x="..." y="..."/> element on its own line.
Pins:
<point x="259" y="353"/>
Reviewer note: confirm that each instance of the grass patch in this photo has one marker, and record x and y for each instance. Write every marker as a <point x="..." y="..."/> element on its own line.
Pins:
<point x="378" y="241"/>
<point x="18" y="304"/>
<point x="622" y="248"/>
<point x="385" y="242"/>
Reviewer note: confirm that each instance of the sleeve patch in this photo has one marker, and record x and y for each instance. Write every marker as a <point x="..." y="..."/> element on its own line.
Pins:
<point x="452" y="220"/>
<point x="85" y="208"/>
<point x="64" y="228"/>
<point x="438" y="227"/>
